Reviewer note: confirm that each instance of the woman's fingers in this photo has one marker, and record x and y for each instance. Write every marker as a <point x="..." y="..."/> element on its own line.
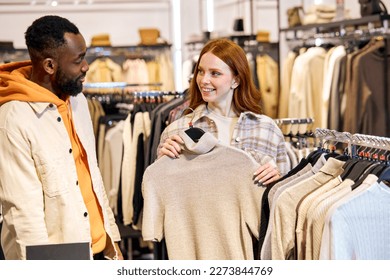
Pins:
<point x="171" y="147"/>
<point x="266" y="174"/>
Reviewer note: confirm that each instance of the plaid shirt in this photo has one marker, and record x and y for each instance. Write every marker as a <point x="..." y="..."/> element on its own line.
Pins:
<point x="255" y="134"/>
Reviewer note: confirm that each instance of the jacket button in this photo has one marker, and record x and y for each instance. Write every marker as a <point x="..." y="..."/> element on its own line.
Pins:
<point x="85" y="214"/>
<point x="77" y="183"/>
<point x="70" y="150"/>
<point x="58" y="119"/>
<point x="51" y="105"/>
<point x="238" y="139"/>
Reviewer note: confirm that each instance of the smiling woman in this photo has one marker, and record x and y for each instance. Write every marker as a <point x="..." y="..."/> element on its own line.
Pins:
<point x="226" y="103"/>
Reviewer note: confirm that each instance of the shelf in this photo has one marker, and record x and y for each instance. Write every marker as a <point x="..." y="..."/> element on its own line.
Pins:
<point x="339" y="24"/>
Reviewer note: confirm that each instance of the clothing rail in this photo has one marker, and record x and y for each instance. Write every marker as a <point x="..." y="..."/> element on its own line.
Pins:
<point x="298" y="131"/>
<point x="295" y="126"/>
<point x="132" y="96"/>
<point x="325" y="135"/>
<point x="284" y="121"/>
<point x="110" y="85"/>
<point x="356" y="141"/>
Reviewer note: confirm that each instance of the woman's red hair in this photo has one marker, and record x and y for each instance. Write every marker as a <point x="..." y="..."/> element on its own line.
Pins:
<point x="246" y="96"/>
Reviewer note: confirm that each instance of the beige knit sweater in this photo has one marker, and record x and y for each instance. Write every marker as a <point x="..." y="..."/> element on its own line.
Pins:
<point x="205" y="203"/>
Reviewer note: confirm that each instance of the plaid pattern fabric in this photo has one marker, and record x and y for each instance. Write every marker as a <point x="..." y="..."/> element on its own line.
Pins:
<point x="255" y="134"/>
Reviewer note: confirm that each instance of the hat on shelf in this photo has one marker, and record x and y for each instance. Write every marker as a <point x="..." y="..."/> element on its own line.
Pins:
<point x="149" y="36"/>
<point x="8" y="45"/>
<point x="262" y="36"/>
<point x="101" y="40"/>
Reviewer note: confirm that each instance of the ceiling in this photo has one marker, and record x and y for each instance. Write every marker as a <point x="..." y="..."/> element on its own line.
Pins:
<point x="70" y="2"/>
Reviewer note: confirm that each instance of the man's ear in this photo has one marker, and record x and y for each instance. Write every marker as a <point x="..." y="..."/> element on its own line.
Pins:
<point x="49" y="65"/>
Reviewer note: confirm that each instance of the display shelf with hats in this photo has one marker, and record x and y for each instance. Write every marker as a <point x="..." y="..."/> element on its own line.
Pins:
<point x="150" y="37"/>
<point x="101" y="40"/>
<point x="147" y="65"/>
<point x="9" y="54"/>
<point x="341" y="26"/>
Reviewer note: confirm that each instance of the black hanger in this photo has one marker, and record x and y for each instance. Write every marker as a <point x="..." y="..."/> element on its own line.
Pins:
<point x="385" y="174"/>
<point x="373" y="169"/>
<point x="332" y="154"/>
<point x="348" y="165"/>
<point x="195" y="133"/>
<point x="314" y="155"/>
<point x="343" y="157"/>
<point x="359" y="169"/>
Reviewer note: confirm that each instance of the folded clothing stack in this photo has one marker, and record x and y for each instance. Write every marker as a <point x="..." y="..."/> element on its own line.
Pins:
<point x="320" y="13"/>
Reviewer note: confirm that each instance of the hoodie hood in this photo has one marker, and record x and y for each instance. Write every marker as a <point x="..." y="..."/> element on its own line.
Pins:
<point x="15" y="84"/>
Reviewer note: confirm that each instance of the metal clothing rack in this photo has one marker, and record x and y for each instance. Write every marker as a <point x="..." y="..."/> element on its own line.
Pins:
<point x="120" y="85"/>
<point x="339" y="27"/>
<point x="123" y="52"/>
<point x="295" y="126"/>
<point x="298" y="130"/>
<point x="121" y="92"/>
<point x="346" y="32"/>
<point x="377" y="145"/>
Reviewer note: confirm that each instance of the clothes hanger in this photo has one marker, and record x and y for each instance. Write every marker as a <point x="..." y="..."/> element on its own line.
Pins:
<point x="355" y="167"/>
<point x="331" y="152"/>
<point x="343" y="157"/>
<point x="315" y="155"/>
<point x="195" y="133"/>
<point x="364" y="164"/>
<point x="374" y="168"/>
<point x="384" y="175"/>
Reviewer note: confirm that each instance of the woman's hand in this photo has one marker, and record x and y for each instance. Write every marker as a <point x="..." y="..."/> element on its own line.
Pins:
<point x="171" y="147"/>
<point x="266" y="174"/>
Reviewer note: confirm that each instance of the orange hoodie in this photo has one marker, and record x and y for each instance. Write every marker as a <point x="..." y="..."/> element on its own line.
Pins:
<point x="15" y="85"/>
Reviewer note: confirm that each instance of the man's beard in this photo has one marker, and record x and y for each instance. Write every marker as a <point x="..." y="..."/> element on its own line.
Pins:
<point x="65" y="86"/>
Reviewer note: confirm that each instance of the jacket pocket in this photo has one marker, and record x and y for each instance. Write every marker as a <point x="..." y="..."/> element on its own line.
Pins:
<point x="53" y="175"/>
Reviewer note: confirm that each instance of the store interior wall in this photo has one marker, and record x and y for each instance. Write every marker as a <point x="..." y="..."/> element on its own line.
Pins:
<point x="122" y="19"/>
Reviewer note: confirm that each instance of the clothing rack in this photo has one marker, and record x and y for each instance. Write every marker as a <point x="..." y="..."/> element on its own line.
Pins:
<point x="285" y="121"/>
<point x="130" y="96"/>
<point x="297" y="131"/>
<point x="355" y="142"/>
<point x="150" y="65"/>
<point x="341" y="27"/>
<point x="351" y="34"/>
<point x="140" y="51"/>
<point x="109" y="88"/>
<point x="295" y="126"/>
<point x="113" y="85"/>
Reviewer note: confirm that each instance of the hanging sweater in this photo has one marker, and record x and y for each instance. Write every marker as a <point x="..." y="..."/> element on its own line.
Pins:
<point x="205" y="203"/>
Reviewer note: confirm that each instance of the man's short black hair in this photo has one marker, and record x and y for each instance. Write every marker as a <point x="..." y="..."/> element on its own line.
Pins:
<point x="46" y="35"/>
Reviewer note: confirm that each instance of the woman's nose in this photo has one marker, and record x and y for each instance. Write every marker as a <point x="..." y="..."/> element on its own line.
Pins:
<point x="205" y="79"/>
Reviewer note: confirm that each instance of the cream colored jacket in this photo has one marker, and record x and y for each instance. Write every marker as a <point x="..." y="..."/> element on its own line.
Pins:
<point x="39" y="192"/>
